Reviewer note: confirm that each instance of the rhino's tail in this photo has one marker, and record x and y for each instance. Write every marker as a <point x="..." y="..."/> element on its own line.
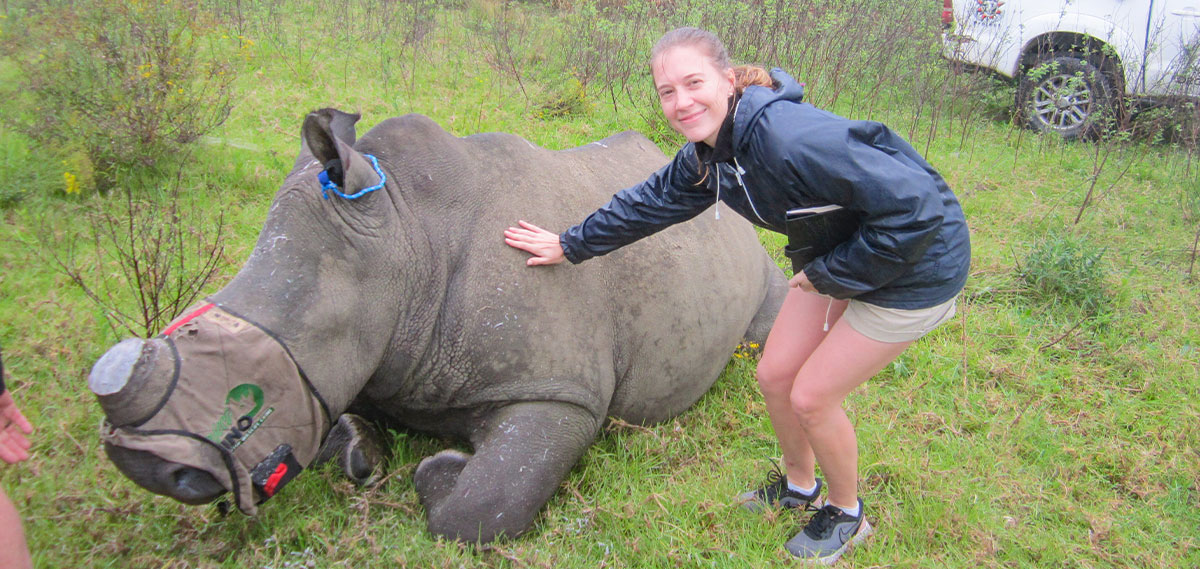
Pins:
<point x="776" y="291"/>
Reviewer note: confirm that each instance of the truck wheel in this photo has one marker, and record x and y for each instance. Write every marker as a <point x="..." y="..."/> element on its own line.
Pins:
<point x="1068" y="95"/>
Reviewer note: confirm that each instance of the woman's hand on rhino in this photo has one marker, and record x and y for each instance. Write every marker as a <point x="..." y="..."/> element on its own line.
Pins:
<point x="542" y="244"/>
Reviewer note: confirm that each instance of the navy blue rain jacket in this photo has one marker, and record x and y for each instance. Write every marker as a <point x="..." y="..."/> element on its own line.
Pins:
<point x="912" y="250"/>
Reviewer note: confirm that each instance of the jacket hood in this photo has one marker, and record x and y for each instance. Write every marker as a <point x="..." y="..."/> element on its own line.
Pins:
<point x="756" y="100"/>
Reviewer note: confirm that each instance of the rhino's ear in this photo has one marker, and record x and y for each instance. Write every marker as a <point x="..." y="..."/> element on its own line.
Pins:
<point x="339" y="125"/>
<point x="328" y="134"/>
<point x="322" y="128"/>
<point x="342" y="125"/>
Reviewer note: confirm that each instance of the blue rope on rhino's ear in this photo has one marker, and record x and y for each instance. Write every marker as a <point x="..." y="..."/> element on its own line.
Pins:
<point x="328" y="185"/>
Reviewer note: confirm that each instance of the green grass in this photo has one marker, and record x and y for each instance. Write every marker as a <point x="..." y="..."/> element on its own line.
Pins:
<point x="1024" y="433"/>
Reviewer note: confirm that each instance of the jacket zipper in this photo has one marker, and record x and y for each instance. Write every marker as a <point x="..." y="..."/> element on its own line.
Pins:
<point x="717" y="205"/>
<point x="738" y="171"/>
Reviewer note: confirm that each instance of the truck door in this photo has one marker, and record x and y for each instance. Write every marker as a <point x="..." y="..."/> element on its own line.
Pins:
<point x="1173" y="50"/>
<point x="1121" y="26"/>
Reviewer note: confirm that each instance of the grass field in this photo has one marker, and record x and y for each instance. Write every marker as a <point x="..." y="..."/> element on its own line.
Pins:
<point x="1054" y="423"/>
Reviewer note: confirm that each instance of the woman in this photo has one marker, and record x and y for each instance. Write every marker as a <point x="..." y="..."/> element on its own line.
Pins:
<point x="754" y="145"/>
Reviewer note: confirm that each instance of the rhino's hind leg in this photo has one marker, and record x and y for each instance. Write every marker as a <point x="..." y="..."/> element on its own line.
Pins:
<point x="764" y="319"/>
<point x="520" y="459"/>
<point x="358" y="447"/>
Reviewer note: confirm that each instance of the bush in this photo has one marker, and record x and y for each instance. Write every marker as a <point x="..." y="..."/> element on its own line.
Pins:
<point x="571" y="100"/>
<point x="1171" y="121"/>
<point x="125" y="83"/>
<point x="1066" y="269"/>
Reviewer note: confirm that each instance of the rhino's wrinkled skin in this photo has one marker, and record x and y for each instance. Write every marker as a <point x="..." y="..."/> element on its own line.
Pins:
<point x="407" y="301"/>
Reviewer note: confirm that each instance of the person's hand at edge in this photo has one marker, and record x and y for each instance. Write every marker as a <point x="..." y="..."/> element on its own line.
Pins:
<point x="542" y="244"/>
<point x="14" y="446"/>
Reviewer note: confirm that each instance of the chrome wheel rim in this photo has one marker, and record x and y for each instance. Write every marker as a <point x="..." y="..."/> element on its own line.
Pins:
<point x="1062" y="102"/>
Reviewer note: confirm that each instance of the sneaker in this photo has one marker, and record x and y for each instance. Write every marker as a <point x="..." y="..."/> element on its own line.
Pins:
<point x="829" y="534"/>
<point x="776" y="494"/>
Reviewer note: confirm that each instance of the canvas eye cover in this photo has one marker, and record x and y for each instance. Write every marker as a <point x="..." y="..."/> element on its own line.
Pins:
<point x="238" y="401"/>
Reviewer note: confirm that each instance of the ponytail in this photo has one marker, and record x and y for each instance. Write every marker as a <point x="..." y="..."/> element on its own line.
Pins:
<point x="747" y="75"/>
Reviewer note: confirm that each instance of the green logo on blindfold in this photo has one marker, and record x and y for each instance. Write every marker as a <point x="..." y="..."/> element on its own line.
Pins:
<point x="243" y="402"/>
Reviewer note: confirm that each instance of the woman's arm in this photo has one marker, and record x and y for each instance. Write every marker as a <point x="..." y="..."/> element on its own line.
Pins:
<point x="671" y="195"/>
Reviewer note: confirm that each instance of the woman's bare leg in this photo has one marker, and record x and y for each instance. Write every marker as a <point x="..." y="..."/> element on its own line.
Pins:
<point x="799" y="329"/>
<point x="844" y="360"/>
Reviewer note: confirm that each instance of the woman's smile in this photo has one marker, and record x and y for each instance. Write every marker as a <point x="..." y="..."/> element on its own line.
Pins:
<point x="692" y="117"/>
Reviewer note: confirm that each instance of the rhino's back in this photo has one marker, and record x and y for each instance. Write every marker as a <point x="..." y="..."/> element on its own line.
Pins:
<point x="639" y="334"/>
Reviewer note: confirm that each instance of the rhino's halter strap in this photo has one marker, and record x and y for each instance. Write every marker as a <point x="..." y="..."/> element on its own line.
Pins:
<point x="245" y="411"/>
<point x="328" y="185"/>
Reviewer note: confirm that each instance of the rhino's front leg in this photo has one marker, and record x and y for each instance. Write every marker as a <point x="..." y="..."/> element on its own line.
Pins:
<point x="358" y="447"/>
<point x="521" y="456"/>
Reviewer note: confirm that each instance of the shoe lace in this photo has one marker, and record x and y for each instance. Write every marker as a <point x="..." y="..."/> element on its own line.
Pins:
<point x="822" y="522"/>
<point x="776" y="483"/>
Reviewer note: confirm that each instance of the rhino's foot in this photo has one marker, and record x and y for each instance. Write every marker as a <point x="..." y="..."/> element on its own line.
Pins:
<point x="436" y="476"/>
<point x="358" y="447"/>
<point x="519" y="460"/>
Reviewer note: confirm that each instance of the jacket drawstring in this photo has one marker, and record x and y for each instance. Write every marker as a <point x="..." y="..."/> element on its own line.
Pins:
<point x="717" y="205"/>
<point x="738" y="171"/>
<point x="828" y="309"/>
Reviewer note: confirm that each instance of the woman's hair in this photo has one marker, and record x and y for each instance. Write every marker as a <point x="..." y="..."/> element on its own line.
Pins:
<point x="708" y="44"/>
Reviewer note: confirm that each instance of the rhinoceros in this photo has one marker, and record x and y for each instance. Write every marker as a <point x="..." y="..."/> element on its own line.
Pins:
<point x="381" y="282"/>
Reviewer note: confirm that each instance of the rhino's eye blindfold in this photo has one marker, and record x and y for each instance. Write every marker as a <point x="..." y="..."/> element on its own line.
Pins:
<point x="333" y="177"/>
<point x="242" y="395"/>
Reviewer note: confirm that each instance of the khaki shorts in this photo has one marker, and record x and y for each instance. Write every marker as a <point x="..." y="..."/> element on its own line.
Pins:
<point x="893" y="325"/>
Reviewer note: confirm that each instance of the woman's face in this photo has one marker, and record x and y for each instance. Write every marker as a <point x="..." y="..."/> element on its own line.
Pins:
<point x="694" y="94"/>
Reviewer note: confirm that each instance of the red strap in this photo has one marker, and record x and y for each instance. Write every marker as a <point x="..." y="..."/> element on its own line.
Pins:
<point x="188" y="318"/>
<point x="274" y="478"/>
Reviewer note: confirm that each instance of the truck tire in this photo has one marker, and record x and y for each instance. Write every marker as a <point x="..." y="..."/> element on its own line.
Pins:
<point x="1068" y="95"/>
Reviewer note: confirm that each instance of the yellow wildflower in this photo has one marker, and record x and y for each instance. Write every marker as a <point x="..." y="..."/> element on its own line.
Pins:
<point x="71" y="183"/>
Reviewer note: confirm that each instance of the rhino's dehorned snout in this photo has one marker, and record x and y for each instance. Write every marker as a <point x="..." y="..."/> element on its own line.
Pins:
<point x="130" y="379"/>
<point x="115" y="368"/>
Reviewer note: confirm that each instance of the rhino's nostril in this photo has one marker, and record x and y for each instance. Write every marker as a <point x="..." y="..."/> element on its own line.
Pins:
<point x="194" y="486"/>
<point x="182" y="477"/>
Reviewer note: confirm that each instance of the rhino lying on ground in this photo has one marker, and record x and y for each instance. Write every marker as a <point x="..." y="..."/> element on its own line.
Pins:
<point x="381" y="282"/>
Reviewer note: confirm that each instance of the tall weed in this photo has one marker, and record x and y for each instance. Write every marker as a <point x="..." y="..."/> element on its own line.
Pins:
<point x="141" y="260"/>
<point x="505" y="37"/>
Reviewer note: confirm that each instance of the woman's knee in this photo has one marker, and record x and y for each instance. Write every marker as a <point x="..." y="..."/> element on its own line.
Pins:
<point x="811" y="408"/>
<point x="774" y="379"/>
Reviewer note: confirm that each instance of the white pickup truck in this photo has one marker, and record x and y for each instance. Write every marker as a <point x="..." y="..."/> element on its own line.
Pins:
<point x="1077" y="61"/>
